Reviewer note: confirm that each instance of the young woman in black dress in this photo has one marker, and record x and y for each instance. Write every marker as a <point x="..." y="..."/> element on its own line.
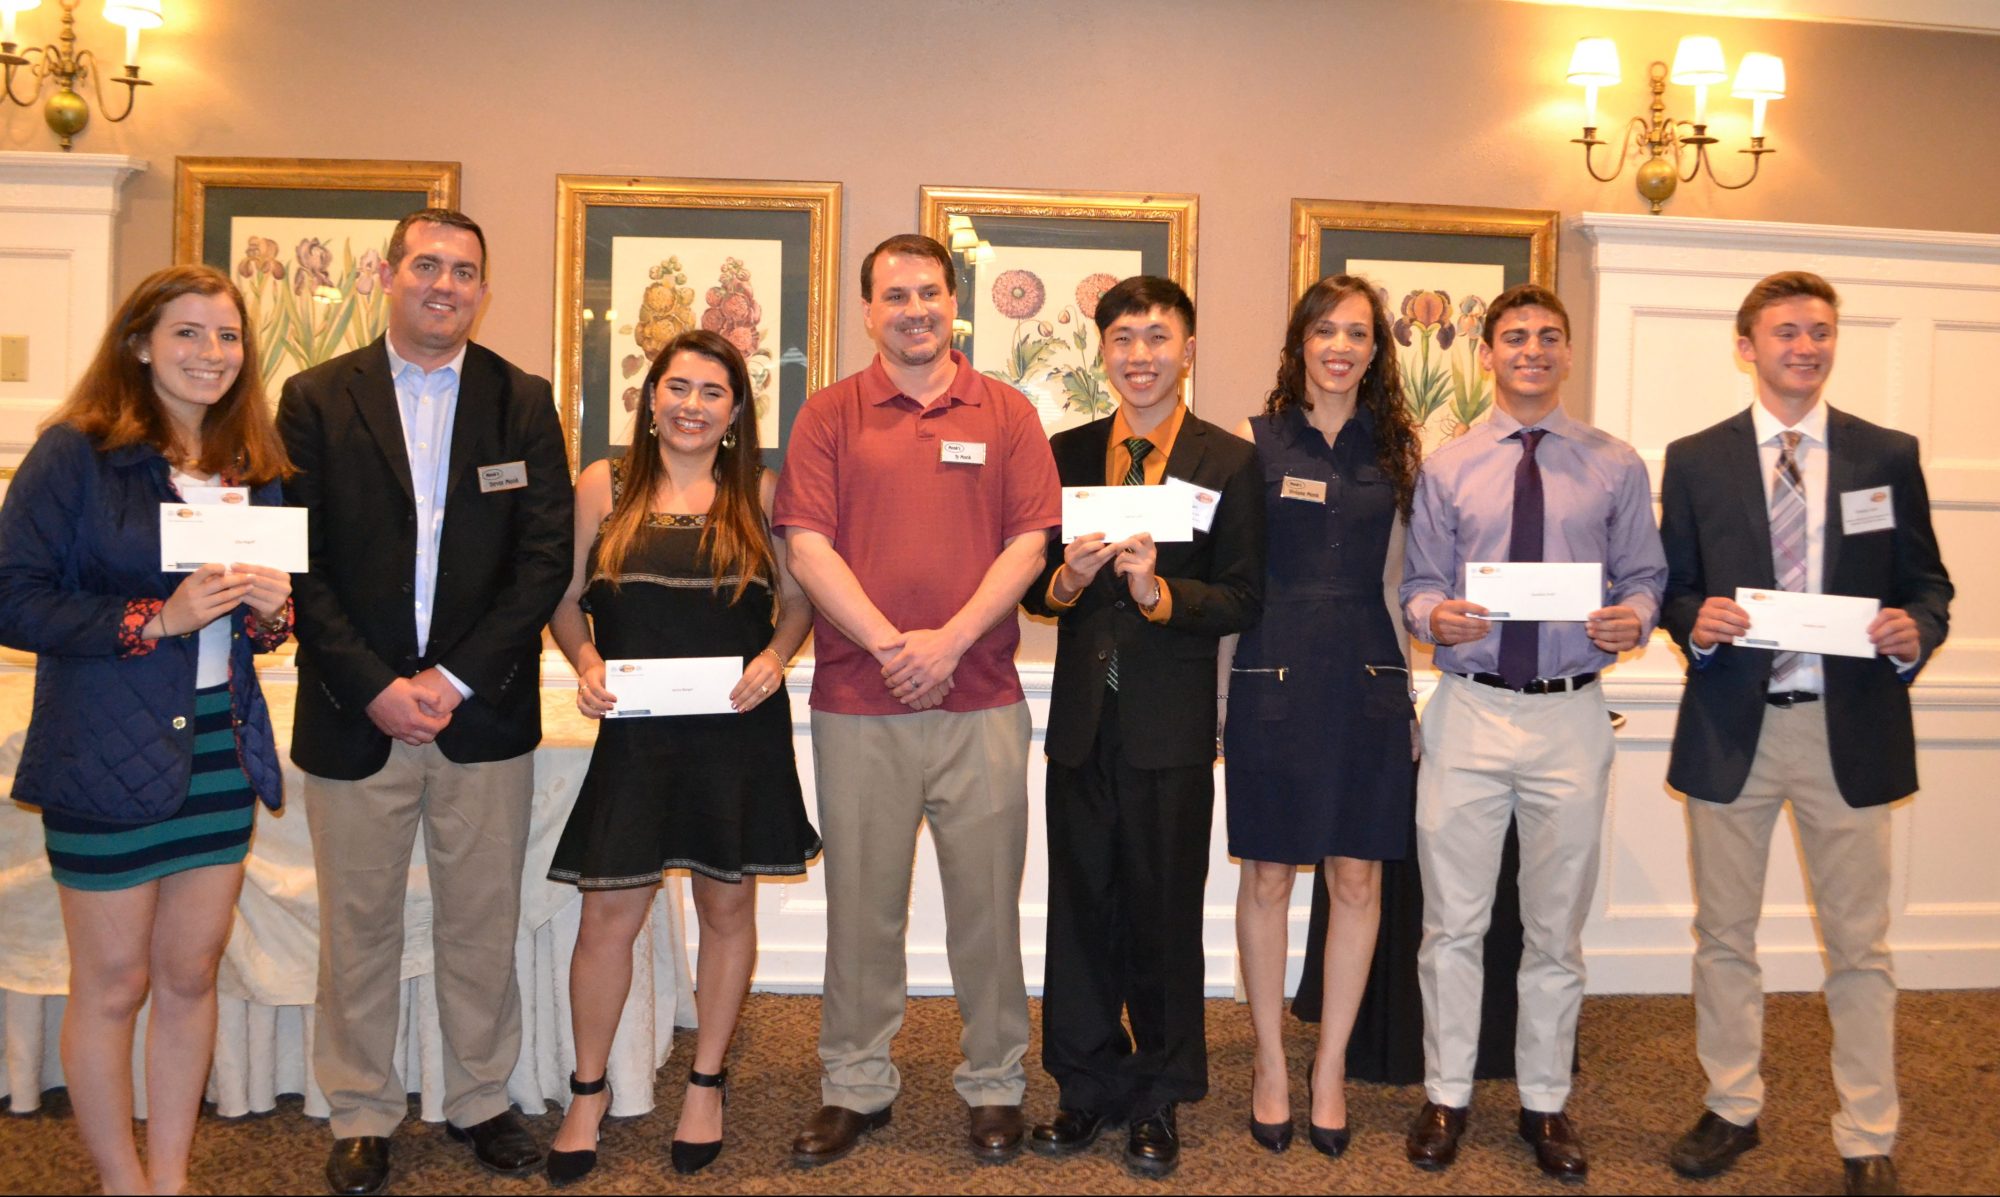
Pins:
<point x="1318" y="733"/>
<point x="675" y="559"/>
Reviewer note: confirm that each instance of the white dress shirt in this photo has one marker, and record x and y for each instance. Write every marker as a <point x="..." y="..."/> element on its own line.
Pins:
<point x="427" y="402"/>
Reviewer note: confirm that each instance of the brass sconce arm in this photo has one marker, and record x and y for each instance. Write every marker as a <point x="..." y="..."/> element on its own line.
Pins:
<point x="62" y="63"/>
<point x="1700" y="140"/>
<point x="1636" y="136"/>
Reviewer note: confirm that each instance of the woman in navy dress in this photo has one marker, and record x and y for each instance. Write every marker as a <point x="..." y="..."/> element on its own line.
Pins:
<point x="1318" y="736"/>
<point x="150" y="745"/>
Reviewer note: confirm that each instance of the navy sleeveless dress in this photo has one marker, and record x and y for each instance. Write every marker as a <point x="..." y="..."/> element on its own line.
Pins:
<point x="1317" y="743"/>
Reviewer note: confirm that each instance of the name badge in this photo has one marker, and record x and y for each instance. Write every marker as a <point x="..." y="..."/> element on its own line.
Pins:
<point x="1871" y="510"/>
<point x="962" y="452"/>
<point x="1204" y="500"/>
<point x="508" y="475"/>
<point x="1303" y="489"/>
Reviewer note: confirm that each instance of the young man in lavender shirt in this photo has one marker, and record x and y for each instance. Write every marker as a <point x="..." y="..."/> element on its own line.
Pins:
<point x="1518" y="729"/>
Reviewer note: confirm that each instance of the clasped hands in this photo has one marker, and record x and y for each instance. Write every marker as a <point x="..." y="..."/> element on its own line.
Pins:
<point x="1461" y="621"/>
<point x="917" y="665"/>
<point x="1721" y="620"/>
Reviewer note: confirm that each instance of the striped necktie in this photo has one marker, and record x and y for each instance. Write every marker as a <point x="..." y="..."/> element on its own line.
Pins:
<point x="1135" y="475"/>
<point x="1788" y="540"/>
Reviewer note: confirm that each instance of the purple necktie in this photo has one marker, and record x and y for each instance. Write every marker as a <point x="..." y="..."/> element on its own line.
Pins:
<point x="1520" y="640"/>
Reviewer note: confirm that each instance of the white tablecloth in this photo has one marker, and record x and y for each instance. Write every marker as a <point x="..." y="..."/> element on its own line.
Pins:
<point x="268" y="973"/>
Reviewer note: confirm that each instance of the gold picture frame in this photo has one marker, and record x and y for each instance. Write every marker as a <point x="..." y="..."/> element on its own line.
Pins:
<point x="1437" y="265"/>
<point x="297" y="235"/>
<point x="611" y="233"/>
<point x="1049" y="254"/>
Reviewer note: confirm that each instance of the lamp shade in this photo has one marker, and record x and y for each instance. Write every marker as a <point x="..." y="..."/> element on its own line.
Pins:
<point x="133" y="14"/>
<point x="13" y="6"/>
<point x="1698" y="62"/>
<point x="1595" y="62"/>
<point x="1760" y="77"/>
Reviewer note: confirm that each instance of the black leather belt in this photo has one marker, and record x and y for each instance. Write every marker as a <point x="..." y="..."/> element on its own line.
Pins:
<point x="1787" y="699"/>
<point x="1541" y="685"/>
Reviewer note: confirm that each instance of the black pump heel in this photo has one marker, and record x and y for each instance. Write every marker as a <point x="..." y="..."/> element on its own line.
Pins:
<point x="568" y="1167"/>
<point x="1330" y="1142"/>
<point x="690" y="1158"/>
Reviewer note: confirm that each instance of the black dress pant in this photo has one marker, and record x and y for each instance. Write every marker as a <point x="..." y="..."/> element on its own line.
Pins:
<point x="1128" y="860"/>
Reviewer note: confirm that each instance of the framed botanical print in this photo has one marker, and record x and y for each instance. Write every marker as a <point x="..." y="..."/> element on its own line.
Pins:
<point x="639" y="261"/>
<point x="1436" y="266"/>
<point x="1031" y="268"/>
<point x="304" y="239"/>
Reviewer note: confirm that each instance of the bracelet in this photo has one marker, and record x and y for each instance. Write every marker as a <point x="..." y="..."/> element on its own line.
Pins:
<point x="774" y="656"/>
<point x="275" y="623"/>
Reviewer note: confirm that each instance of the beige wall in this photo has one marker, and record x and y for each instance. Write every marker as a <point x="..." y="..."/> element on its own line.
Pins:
<point x="1245" y="103"/>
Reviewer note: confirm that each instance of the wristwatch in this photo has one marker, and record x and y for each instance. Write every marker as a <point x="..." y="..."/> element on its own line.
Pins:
<point x="1148" y="604"/>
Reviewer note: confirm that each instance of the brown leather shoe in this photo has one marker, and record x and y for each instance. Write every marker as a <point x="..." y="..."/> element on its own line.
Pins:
<point x="832" y="1133"/>
<point x="1433" y="1140"/>
<point x="1557" y="1149"/>
<point x="996" y="1133"/>
<point x="1868" y="1175"/>
<point x="1711" y="1146"/>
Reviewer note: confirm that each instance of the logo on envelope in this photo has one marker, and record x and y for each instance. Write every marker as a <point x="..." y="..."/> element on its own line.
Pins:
<point x="628" y="667"/>
<point x="230" y="496"/>
<point x="1488" y="569"/>
<point x="1759" y="596"/>
<point x="1880" y="496"/>
<point x="1082" y="495"/>
<point x="186" y="513"/>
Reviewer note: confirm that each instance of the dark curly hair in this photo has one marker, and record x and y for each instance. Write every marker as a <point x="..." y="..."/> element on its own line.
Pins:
<point x="1397" y="449"/>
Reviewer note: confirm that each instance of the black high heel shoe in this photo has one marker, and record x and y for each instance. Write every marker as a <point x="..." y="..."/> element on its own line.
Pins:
<point x="690" y="1158"/>
<point x="568" y="1167"/>
<point x="1274" y="1137"/>
<point x="1330" y="1142"/>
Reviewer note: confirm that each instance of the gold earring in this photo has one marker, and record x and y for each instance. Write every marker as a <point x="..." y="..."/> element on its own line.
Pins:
<point x="729" y="438"/>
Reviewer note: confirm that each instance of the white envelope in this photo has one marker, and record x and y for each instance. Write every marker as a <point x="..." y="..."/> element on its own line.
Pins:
<point x="1121" y="511"/>
<point x="225" y="533"/>
<point x="1549" y="591"/>
<point x="652" y="686"/>
<point x="1831" y="624"/>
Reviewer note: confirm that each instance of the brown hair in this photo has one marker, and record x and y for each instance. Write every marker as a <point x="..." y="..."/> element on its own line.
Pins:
<point x="1397" y="448"/>
<point x="1786" y="284"/>
<point x="1523" y="295"/>
<point x="451" y="218"/>
<point x="914" y="245"/>
<point x="114" y="403"/>
<point x="737" y="538"/>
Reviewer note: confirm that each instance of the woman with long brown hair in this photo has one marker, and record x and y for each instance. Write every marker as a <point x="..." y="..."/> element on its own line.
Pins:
<point x="150" y="745"/>
<point x="1318" y="740"/>
<point x="675" y="558"/>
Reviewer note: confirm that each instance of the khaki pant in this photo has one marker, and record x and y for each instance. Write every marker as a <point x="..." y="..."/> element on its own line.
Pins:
<point x="475" y="826"/>
<point x="879" y="777"/>
<point x="1847" y="862"/>
<point x="1544" y="761"/>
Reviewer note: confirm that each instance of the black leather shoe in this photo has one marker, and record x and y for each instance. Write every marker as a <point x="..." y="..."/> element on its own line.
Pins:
<point x="1871" y="1174"/>
<point x="1071" y="1132"/>
<point x="995" y="1133"/>
<point x="1153" y="1146"/>
<point x="833" y="1132"/>
<point x="1711" y="1146"/>
<point x="500" y="1144"/>
<point x="1330" y="1142"/>
<point x="357" y="1167"/>
<point x="690" y="1158"/>
<point x="1558" y="1152"/>
<point x="1433" y="1140"/>
<point x="1274" y="1137"/>
<point x="568" y="1167"/>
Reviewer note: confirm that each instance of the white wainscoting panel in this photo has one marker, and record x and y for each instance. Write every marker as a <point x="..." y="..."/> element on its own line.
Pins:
<point x="1920" y="351"/>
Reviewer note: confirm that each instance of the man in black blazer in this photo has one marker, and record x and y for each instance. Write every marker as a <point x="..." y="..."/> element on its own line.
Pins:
<point x="441" y="540"/>
<point x="1791" y="495"/>
<point x="1131" y="740"/>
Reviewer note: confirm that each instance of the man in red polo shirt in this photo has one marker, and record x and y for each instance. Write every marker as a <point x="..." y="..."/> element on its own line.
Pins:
<point x="916" y="503"/>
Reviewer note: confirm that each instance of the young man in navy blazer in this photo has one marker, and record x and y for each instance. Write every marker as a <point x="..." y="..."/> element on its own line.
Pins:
<point x="1131" y="740"/>
<point x="1791" y="495"/>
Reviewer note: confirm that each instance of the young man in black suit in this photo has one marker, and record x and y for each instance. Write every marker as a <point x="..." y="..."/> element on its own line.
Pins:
<point x="1131" y="740"/>
<point x="440" y="543"/>
<point x="1791" y="495"/>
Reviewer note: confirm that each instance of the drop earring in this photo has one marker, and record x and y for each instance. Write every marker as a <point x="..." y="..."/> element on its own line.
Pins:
<point x="729" y="438"/>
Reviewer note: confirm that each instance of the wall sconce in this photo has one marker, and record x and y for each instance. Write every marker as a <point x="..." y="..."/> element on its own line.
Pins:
<point x="66" y="111"/>
<point x="1698" y="63"/>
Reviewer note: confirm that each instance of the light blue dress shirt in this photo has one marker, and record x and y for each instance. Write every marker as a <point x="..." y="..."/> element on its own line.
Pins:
<point x="1598" y="506"/>
<point x="427" y="401"/>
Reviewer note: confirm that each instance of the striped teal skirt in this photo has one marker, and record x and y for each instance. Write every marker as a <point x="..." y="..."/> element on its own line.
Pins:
<point x="212" y="827"/>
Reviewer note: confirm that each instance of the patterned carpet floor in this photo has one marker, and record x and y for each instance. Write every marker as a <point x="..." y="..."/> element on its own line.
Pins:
<point x="1638" y="1089"/>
